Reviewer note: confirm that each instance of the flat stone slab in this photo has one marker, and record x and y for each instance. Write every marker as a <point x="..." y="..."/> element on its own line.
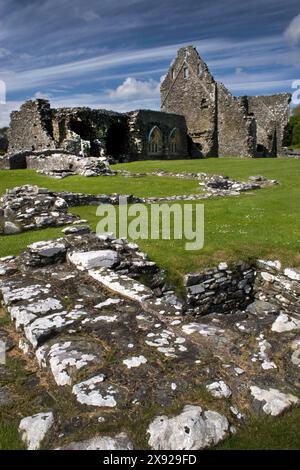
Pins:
<point x="94" y="259"/>
<point x="33" y="429"/>
<point x="285" y="323"/>
<point x="119" y="442"/>
<point x="97" y="392"/>
<point x="273" y="402"/>
<point x="193" y="429"/>
<point x="67" y="358"/>
<point x="122" y="285"/>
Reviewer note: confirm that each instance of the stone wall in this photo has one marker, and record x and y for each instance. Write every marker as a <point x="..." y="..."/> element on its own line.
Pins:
<point x="189" y="89"/>
<point x="236" y="129"/>
<point x="31" y="127"/>
<point x="218" y="123"/>
<point x="89" y="132"/>
<point x="157" y="135"/>
<point x="272" y="115"/>
<point x="221" y="289"/>
<point x="228" y="290"/>
<point x="278" y="286"/>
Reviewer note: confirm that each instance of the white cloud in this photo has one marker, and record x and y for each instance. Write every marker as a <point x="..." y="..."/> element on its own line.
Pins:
<point x="292" y="33"/>
<point x="239" y="72"/>
<point x="40" y="95"/>
<point x="90" y="15"/>
<point x="6" y="109"/>
<point x="132" y="88"/>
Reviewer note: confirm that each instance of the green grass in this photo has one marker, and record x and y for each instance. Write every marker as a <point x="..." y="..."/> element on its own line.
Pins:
<point x="9" y="437"/>
<point x="263" y="223"/>
<point x="294" y="147"/>
<point x="141" y="187"/>
<point x="267" y="434"/>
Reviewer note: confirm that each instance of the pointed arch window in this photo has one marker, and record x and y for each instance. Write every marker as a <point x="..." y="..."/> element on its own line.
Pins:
<point x="174" y="141"/>
<point x="155" y="140"/>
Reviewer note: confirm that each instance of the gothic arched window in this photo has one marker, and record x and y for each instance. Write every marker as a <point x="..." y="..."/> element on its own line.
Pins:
<point x="155" y="140"/>
<point x="174" y="140"/>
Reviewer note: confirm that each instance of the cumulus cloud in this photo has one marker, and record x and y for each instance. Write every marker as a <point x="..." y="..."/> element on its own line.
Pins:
<point x="292" y="33"/>
<point x="132" y="88"/>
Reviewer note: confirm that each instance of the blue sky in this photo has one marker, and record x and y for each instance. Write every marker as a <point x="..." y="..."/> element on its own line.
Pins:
<point x="113" y="53"/>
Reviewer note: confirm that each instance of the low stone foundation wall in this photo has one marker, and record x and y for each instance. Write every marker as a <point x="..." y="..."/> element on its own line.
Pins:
<point x="227" y="290"/>
<point x="79" y="199"/>
<point x="221" y="289"/>
<point x="277" y="286"/>
<point x="56" y="163"/>
<point x="18" y="160"/>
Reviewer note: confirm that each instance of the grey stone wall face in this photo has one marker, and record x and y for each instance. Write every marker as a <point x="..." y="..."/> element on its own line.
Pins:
<point x="277" y="286"/>
<point x="90" y="132"/>
<point x="31" y="127"/>
<point x="218" y="123"/>
<point x="224" y="289"/>
<point x="97" y="127"/>
<point x="221" y="289"/>
<point x="236" y="129"/>
<point x="194" y="97"/>
<point x="142" y="123"/>
<point x="272" y="115"/>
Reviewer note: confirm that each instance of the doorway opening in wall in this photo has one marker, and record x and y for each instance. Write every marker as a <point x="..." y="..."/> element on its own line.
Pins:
<point x="116" y="141"/>
<point x="86" y="132"/>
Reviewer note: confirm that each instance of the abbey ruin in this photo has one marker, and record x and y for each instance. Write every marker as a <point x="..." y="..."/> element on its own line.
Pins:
<point x="199" y="117"/>
<point x="219" y="124"/>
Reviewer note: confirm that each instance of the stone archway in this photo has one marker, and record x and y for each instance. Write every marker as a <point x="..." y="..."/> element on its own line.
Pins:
<point x="155" y="141"/>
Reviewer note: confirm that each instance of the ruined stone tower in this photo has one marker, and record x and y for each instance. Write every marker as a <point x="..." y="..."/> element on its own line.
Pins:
<point x="190" y="89"/>
<point x="219" y="124"/>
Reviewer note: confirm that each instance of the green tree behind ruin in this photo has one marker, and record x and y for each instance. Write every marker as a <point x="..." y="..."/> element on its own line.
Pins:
<point x="292" y="135"/>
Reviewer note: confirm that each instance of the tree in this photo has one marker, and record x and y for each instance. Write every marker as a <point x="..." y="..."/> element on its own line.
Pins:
<point x="3" y="131"/>
<point x="296" y="110"/>
<point x="292" y="131"/>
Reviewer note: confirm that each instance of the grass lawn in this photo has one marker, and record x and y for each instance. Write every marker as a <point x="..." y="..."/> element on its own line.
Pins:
<point x="142" y="187"/>
<point x="267" y="434"/>
<point x="263" y="223"/>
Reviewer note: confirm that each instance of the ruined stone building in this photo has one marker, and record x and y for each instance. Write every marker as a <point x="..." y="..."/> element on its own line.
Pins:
<point x="220" y="124"/>
<point x="199" y="117"/>
<point x="92" y="132"/>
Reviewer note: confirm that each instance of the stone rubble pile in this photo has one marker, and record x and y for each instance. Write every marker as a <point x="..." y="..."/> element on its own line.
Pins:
<point x="60" y="165"/>
<point x="57" y="163"/>
<point x="109" y="336"/>
<point x="31" y="207"/>
<point x="211" y="185"/>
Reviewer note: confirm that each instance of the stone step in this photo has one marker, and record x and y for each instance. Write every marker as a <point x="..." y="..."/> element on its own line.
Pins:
<point x="134" y="290"/>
